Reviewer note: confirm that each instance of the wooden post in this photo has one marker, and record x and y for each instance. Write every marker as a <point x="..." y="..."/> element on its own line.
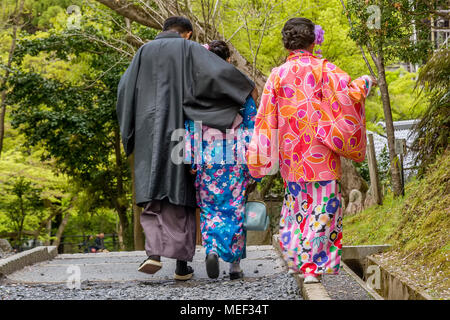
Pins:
<point x="402" y="174"/>
<point x="400" y="148"/>
<point x="49" y="232"/>
<point x="138" y="234"/>
<point x="373" y="171"/>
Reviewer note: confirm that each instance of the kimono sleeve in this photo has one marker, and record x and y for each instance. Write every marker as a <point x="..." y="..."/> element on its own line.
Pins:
<point x="215" y="90"/>
<point x="262" y="154"/>
<point x="249" y="114"/>
<point x="126" y="108"/>
<point x="342" y="126"/>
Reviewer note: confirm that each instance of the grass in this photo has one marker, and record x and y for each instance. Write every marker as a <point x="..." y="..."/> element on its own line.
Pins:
<point x="417" y="226"/>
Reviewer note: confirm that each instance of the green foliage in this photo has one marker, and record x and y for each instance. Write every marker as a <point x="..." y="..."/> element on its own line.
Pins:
<point x="388" y="27"/>
<point x="26" y="201"/>
<point x="19" y="161"/>
<point x="245" y="21"/>
<point x="363" y="169"/>
<point x="433" y="129"/>
<point x="62" y="92"/>
<point x="383" y="166"/>
<point x="76" y="124"/>
<point x="62" y="96"/>
<point x="43" y="11"/>
<point x="406" y="102"/>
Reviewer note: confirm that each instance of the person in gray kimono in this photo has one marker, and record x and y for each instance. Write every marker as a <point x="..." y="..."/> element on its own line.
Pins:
<point x="171" y="79"/>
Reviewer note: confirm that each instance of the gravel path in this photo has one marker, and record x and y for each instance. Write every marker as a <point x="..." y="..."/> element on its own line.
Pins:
<point x="344" y="287"/>
<point x="281" y="286"/>
<point x="114" y="276"/>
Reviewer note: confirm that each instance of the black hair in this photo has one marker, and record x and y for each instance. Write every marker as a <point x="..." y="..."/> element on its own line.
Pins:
<point x="179" y="24"/>
<point x="220" y="48"/>
<point x="298" y="33"/>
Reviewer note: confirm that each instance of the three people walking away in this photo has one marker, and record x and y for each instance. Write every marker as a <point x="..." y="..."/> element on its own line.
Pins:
<point x="169" y="80"/>
<point x="221" y="180"/>
<point x="311" y="113"/>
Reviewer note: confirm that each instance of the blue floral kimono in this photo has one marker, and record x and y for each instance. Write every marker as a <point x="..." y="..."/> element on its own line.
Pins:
<point x="221" y="180"/>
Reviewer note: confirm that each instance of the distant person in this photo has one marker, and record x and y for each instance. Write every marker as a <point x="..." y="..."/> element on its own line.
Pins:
<point x="100" y="243"/>
<point x="311" y="113"/>
<point x="91" y="246"/>
<point x="169" y="80"/>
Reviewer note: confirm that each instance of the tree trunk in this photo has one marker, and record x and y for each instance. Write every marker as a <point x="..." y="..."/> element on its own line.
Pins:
<point x="382" y="83"/>
<point x="17" y="14"/>
<point x="139" y="240"/>
<point x="20" y="223"/>
<point x="123" y="224"/>
<point x="61" y="228"/>
<point x="373" y="171"/>
<point x="49" y="232"/>
<point x="120" y="196"/>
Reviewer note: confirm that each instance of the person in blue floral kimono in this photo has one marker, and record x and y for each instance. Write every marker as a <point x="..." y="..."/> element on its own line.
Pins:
<point x="221" y="180"/>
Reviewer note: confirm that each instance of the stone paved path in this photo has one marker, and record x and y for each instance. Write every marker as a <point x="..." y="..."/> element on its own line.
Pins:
<point x="122" y="266"/>
<point x="114" y="275"/>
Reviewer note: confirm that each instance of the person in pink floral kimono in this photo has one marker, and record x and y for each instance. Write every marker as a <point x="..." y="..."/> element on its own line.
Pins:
<point x="310" y="115"/>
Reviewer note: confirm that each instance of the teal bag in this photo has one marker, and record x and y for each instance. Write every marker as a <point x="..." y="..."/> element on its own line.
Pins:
<point x="256" y="218"/>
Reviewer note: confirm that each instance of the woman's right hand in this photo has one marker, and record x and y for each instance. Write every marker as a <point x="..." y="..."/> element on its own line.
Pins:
<point x="374" y="81"/>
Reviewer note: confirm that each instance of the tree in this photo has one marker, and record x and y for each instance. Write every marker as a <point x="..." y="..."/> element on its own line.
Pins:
<point x="27" y="201"/>
<point x="434" y="128"/>
<point x="76" y="122"/>
<point x="16" y="20"/>
<point x="153" y="13"/>
<point x="391" y="31"/>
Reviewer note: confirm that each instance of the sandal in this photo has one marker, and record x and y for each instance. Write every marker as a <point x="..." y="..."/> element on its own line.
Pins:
<point x="212" y="265"/>
<point x="236" y="275"/>
<point x="185" y="274"/>
<point x="150" y="266"/>
<point x="312" y="278"/>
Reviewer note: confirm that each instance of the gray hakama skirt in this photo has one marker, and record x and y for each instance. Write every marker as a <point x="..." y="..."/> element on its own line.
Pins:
<point x="170" y="230"/>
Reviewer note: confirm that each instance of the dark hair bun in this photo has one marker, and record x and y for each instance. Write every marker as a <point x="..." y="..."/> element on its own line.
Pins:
<point x="298" y="33"/>
<point x="220" y="48"/>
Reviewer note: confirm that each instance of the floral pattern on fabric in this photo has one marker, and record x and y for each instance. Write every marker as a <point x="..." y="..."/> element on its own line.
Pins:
<point x="317" y="114"/>
<point x="311" y="227"/>
<point x="221" y="187"/>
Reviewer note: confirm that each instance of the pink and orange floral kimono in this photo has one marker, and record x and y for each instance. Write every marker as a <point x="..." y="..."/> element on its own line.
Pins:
<point x="311" y="113"/>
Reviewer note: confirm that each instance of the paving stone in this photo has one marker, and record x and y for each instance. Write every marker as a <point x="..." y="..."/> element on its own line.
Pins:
<point x="115" y="276"/>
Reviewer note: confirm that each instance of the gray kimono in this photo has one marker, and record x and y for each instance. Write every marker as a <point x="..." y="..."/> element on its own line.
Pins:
<point x="171" y="79"/>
